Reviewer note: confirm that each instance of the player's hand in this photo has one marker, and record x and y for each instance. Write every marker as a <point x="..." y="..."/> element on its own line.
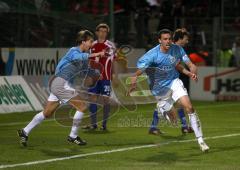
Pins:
<point x="133" y="85"/>
<point x="194" y="77"/>
<point x="101" y="54"/>
<point x="97" y="55"/>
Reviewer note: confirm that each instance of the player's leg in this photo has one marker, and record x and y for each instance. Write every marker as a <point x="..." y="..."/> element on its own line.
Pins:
<point x="194" y="121"/>
<point x="106" y="111"/>
<point x="106" y="91"/>
<point x="93" y="115"/>
<point x="181" y="114"/>
<point x="67" y="94"/>
<point x="93" y="107"/>
<point x="154" y="125"/>
<point x="81" y="106"/>
<point x="48" y="111"/>
<point x="180" y="93"/>
<point x="165" y="109"/>
<point x="183" y="120"/>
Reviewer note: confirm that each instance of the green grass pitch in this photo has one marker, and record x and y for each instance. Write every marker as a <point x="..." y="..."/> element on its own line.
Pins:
<point x="128" y="143"/>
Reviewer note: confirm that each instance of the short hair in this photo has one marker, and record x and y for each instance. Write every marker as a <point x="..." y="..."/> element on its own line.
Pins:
<point x="102" y="25"/>
<point x="179" y="34"/>
<point x="84" y="35"/>
<point x="164" y="31"/>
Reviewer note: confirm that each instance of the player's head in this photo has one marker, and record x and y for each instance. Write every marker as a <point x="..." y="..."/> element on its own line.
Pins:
<point x="165" y="39"/>
<point x="181" y="37"/>
<point x="102" y="31"/>
<point x="85" y="39"/>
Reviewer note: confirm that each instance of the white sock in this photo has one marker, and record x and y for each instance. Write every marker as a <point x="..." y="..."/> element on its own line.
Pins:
<point x="196" y="126"/>
<point x="37" y="119"/>
<point x="76" y="122"/>
<point x="200" y="140"/>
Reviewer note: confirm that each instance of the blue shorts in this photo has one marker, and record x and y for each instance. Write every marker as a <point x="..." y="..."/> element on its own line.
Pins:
<point x="102" y="87"/>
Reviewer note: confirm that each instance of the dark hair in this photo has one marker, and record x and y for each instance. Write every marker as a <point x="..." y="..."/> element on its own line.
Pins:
<point x="102" y="25"/>
<point x="84" y="35"/>
<point x="179" y="34"/>
<point x="164" y="31"/>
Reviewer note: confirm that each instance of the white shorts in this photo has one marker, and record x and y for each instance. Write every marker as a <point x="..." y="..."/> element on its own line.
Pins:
<point x="52" y="98"/>
<point x="177" y="91"/>
<point x="61" y="90"/>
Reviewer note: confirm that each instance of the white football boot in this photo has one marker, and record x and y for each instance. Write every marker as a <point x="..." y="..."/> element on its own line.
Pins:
<point x="204" y="147"/>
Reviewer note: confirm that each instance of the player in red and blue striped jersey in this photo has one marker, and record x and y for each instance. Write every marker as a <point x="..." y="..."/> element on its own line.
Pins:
<point x="103" y="86"/>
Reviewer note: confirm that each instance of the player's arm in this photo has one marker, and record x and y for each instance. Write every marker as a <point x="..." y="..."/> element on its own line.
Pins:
<point x="133" y="85"/>
<point x="183" y="70"/>
<point x="143" y="63"/>
<point x="112" y="51"/>
<point x="87" y="56"/>
<point x="192" y="67"/>
<point x="99" y="54"/>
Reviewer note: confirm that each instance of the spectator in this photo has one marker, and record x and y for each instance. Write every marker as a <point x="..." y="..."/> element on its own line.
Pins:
<point x="224" y="55"/>
<point x="199" y="57"/>
<point x="236" y="53"/>
<point x="165" y="16"/>
<point x="236" y="24"/>
<point x="178" y="11"/>
<point x="122" y="20"/>
<point x="141" y="17"/>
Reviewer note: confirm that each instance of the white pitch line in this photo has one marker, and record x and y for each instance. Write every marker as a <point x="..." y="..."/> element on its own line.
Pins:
<point x="111" y="151"/>
<point x="198" y="107"/>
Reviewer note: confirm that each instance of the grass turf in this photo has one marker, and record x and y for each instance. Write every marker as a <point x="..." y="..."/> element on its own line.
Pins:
<point x="127" y="129"/>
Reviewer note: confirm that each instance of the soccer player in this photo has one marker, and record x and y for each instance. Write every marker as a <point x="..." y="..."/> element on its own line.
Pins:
<point x="74" y="63"/>
<point x="181" y="38"/>
<point x="165" y="58"/>
<point x="103" y="86"/>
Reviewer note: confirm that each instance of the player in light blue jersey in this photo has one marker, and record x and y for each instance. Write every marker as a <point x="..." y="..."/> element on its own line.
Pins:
<point x="161" y="64"/>
<point x="181" y="38"/>
<point x="74" y="63"/>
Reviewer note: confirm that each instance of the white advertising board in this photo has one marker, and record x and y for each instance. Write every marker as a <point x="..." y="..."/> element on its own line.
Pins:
<point x="221" y="84"/>
<point x="16" y="95"/>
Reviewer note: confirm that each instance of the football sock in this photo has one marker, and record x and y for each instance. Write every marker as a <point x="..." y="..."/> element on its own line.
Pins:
<point x="76" y="122"/>
<point x="196" y="126"/>
<point x="106" y="110"/>
<point x="182" y="117"/>
<point x="93" y="114"/>
<point x="37" y="119"/>
<point x="155" y="120"/>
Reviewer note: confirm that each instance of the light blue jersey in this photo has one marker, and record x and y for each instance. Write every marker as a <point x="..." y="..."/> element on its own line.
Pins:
<point x="75" y="62"/>
<point x="160" y="66"/>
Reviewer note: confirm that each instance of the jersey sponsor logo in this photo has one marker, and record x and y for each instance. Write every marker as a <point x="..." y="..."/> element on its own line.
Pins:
<point x="165" y="68"/>
<point x="172" y="59"/>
